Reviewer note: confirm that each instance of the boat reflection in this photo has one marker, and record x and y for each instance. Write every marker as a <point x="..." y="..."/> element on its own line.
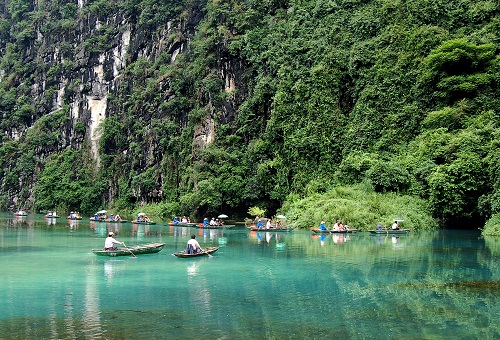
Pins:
<point x="50" y="221"/>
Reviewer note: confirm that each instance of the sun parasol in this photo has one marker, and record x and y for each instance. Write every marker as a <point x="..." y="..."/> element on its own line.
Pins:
<point x="100" y="212"/>
<point x="281" y="216"/>
<point x="222" y="216"/>
<point x="141" y="214"/>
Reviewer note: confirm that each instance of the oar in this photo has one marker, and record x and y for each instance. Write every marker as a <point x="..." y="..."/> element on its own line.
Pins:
<point x="128" y="249"/>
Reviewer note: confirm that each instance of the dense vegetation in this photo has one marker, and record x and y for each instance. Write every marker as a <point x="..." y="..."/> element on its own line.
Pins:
<point x="393" y="98"/>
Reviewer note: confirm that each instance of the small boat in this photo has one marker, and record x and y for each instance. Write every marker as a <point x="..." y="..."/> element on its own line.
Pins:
<point x="143" y="222"/>
<point x="253" y="228"/>
<point x="183" y="224"/>
<point x="389" y="231"/>
<point x="52" y="216"/>
<point x="319" y="231"/>
<point x="92" y="219"/>
<point x="74" y="218"/>
<point x="20" y="213"/>
<point x="149" y="248"/>
<point x="227" y="226"/>
<point x="207" y="251"/>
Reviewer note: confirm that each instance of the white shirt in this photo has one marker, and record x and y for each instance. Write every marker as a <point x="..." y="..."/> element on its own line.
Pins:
<point x="108" y="243"/>
<point x="194" y="243"/>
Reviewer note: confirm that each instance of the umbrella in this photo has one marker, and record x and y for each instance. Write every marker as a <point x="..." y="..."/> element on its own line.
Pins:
<point x="281" y="216"/>
<point x="222" y="216"/>
<point x="141" y="214"/>
<point x="398" y="219"/>
<point x="101" y="212"/>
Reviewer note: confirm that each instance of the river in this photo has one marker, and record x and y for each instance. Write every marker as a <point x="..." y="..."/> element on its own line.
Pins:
<point x="289" y="285"/>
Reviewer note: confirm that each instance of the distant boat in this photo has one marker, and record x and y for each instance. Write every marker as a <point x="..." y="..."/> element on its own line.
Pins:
<point x="143" y="222"/>
<point x="319" y="231"/>
<point x="254" y="228"/>
<point x="205" y="252"/>
<point x="149" y="248"/>
<point x="20" y="213"/>
<point x="200" y="225"/>
<point x="389" y="231"/>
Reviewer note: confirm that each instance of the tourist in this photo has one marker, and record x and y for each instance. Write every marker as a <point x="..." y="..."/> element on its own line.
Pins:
<point x="395" y="225"/>
<point x="322" y="226"/>
<point x="193" y="246"/>
<point x="108" y="243"/>
<point x="260" y="225"/>
<point x="268" y="224"/>
<point x="205" y="222"/>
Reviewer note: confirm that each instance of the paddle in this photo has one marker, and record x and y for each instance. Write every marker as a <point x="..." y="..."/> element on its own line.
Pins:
<point x="128" y="249"/>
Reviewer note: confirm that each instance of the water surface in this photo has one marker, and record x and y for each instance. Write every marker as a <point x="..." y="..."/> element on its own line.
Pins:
<point x="432" y="285"/>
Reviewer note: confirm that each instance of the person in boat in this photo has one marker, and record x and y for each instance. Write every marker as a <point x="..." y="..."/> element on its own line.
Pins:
<point x="336" y="226"/>
<point x="184" y="219"/>
<point x="111" y="217"/>
<point x="260" y="225"/>
<point x="341" y="226"/>
<point x="205" y="222"/>
<point x="213" y="222"/>
<point x="268" y="224"/>
<point x="380" y="226"/>
<point x="117" y="217"/>
<point x="110" y="241"/>
<point x="279" y="225"/>
<point x="395" y="225"/>
<point x="176" y="220"/>
<point x="193" y="246"/>
<point x="322" y="226"/>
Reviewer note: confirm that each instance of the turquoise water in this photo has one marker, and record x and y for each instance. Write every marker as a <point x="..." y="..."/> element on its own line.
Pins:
<point x="295" y="285"/>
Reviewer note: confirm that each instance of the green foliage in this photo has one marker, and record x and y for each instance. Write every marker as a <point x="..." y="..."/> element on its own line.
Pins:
<point x="66" y="184"/>
<point x="388" y="176"/>
<point x="273" y="103"/>
<point x="492" y="226"/>
<point x="255" y="211"/>
<point x="359" y="207"/>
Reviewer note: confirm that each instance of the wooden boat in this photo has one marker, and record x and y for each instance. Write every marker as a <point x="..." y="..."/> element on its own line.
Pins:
<point x="143" y="222"/>
<point x="253" y="228"/>
<point x="180" y="224"/>
<point x="389" y="231"/>
<point x="319" y="231"/>
<point x="92" y="219"/>
<point x="52" y="216"/>
<point x="207" y="251"/>
<point x="227" y="226"/>
<point x="149" y="248"/>
<point x="20" y="213"/>
<point x="74" y="218"/>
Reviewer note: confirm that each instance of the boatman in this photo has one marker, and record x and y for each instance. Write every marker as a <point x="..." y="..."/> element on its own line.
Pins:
<point x="395" y="225"/>
<point x="108" y="243"/>
<point x="193" y="246"/>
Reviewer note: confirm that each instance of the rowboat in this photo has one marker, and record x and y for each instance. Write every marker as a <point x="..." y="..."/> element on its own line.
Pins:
<point x="319" y="231"/>
<point x="74" y="218"/>
<point x="389" y="231"/>
<point x="143" y="222"/>
<point x="185" y="224"/>
<point x="270" y="229"/>
<point x="215" y="226"/>
<point x="207" y="251"/>
<point x="136" y="250"/>
<point x="92" y="219"/>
